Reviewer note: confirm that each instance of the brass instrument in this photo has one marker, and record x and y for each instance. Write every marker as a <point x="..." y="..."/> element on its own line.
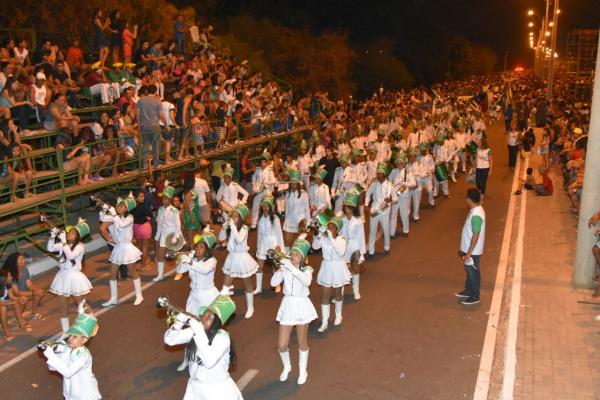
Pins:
<point x="57" y="345"/>
<point x="381" y="209"/>
<point x="225" y="209"/>
<point x="100" y="205"/>
<point x="173" y="248"/>
<point x="172" y="311"/>
<point x="48" y="223"/>
<point x="276" y="257"/>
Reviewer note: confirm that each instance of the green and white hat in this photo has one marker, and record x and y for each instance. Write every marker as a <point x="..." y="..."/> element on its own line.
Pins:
<point x="268" y="200"/>
<point x="343" y="158"/>
<point x="412" y="151"/>
<point x="265" y="156"/>
<point x="351" y="199"/>
<point x="356" y="152"/>
<point x="168" y="191"/>
<point x="381" y="168"/>
<point x="129" y="202"/>
<point x="337" y="221"/>
<point x="82" y="227"/>
<point x="401" y="159"/>
<point x="424" y="146"/>
<point x="295" y="175"/>
<point x="242" y="210"/>
<point x="324" y="216"/>
<point x="223" y="307"/>
<point x="321" y="174"/>
<point x="228" y="172"/>
<point x="303" y="144"/>
<point x="85" y="325"/>
<point x="302" y="246"/>
<point x="208" y="238"/>
<point x="441" y="137"/>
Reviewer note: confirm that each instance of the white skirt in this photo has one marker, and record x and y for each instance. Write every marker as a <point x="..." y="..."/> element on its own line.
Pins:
<point x="240" y="265"/>
<point x="70" y="282"/>
<point x="200" y="298"/>
<point x="264" y="244"/>
<point x="296" y="311"/>
<point x="125" y="253"/>
<point x="333" y="274"/>
<point x="225" y="390"/>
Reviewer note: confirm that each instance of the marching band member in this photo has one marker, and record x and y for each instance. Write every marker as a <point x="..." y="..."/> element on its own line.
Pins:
<point x="382" y="147"/>
<point x="334" y="273"/>
<point x="296" y="207"/>
<point x="353" y="229"/>
<point x="441" y="155"/>
<point x="191" y="209"/>
<point x="403" y="182"/>
<point x="343" y="180"/>
<point x="296" y="309"/>
<point x="69" y="281"/>
<point x="269" y="236"/>
<point x="415" y="169"/>
<point x="263" y="182"/>
<point x="371" y="166"/>
<point x="318" y="146"/>
<point x="230" y="190"/>
<point x="319" y="197"/>
<point x="304" y="163"/>
<point x="209" y="351"/>
<point x="360" y="175"/>
<point x="343" y="148"/>
<point x="123" y="252"/>
<point x="461" y="142"/>
<point x="73" y="360"/>
<point x="379" y="196"/>
<point x="452" y="146"/>
<point x="415" y="138"/>
<point x="168" y="222"/>
<point x="239" y="263"/>
<point x="201" y="265"/>
<point x="282" y="186"/>
<point x="427" y="168"/>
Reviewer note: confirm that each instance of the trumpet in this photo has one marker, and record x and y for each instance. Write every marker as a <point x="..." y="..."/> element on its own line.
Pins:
<point x="162" y="302"/>
<point x="48" y="223"/>
<point x="57" y="345"/>
<point x="178" y="255"/>
<point x="276" y="257"/>
<point x="100" y="205"/>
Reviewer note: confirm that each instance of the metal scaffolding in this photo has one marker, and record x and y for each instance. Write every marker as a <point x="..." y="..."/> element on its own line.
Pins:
<point x="582" y="47"/>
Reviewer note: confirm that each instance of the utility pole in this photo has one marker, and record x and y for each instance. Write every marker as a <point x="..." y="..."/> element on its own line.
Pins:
<point x="552" y="51"/>
<point x="583" y="270"/>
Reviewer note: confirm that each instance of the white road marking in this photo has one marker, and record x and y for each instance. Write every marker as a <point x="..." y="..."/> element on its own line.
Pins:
<point x="489" y="344"/>
<point x="510" y="355"/>
<point x="246" y="378"/>
<point x="32" y="350"/>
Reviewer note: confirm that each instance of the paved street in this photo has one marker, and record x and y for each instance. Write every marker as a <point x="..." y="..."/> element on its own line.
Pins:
<point x="408" y="338"/>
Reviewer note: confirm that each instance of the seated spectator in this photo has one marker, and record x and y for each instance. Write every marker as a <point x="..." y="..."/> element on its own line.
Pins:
<point x="13" y="98"/>
<point x="64" y="84"/>
<point x="20" y="174"/>
<point x="23" y="287"/>
<point x="75" y="56"/>
<point x="97" y="83"/>
<point x="59" y="117"/>
<point x="74" y="157"/>
<point x="39" y="95"/>
<point x="11" y="143"/>
<point x="545" y="188"/>
<point x="8" y="300"/>
<point x="529" y="182"/>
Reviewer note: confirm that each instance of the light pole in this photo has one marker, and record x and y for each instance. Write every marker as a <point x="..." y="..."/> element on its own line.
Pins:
<point x="553" y="50"/>
<point x="538" y="66"/>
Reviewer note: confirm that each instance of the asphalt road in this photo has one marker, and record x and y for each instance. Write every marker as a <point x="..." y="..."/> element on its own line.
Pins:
<point x="407" y="338"/>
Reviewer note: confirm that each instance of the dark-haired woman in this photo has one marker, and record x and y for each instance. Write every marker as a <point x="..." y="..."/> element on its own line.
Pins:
<point x="69" y="281"/>
<point x="296" y="207"/>
<point x="7" y="300"/>
<point x="269" y="236"/>
<point x="201" y="266"/>
<point x="23" y="287"/>
<point x="354" y="230"/>
<point x="209" y="351"/>
<point x="101" y="23"/>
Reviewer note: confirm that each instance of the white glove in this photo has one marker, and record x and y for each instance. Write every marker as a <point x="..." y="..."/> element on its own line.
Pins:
<point x="322" y="229"/>
<point x="49" y="352"/>
<point x="196" y="325"/>
<point x="63" y="237"/>
<point x="185" y="259"/>
<point x="54" y="232"/>
<point x="174" y="239"/>
<point x="112" y="211"/>
<point x="105" y="207"/>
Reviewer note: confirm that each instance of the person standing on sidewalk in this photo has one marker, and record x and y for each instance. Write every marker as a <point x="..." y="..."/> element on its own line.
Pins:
<point x="483" y="166"/>
<point x="149" y="115"/>
<point x="471" y="247"/>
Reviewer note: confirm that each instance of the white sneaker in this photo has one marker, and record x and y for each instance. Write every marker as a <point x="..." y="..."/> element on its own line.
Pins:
<point x="249" y="313"/>
<point x="110" y="302"/>
<point x="138" y="301"/>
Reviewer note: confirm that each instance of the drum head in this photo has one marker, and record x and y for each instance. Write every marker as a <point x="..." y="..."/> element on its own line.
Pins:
<point x="178" y="245"/>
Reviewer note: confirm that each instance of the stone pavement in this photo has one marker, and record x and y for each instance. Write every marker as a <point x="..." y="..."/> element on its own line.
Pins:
<point x="558" y="343"/>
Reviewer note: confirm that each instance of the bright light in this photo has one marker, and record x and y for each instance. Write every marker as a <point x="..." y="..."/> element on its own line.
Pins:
<point x="530" y="24"/>
<point x="555" y="55"/>
<point x="551" y="23"/>
<point x="519" y="69"/>
<point x="531" y="34"/>
<point x="547" y="33"/>
<point x="558" y="11"/>
<point x="530" y="12"/>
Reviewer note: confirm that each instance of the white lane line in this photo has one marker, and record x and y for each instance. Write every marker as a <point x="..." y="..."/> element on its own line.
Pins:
<point x="484" y="375"/>
<point x="510" y="356"/>
<point x="246" y="378"/>
<point x="32" y="350"/>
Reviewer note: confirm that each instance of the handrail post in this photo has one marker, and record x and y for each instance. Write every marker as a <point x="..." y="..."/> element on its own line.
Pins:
<point x="61" y="176"/>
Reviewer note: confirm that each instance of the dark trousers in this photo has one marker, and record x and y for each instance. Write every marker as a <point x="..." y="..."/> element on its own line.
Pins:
<point x="473" y="282"/>
<point x="481" y="176"/>
<point x="512" y="155"/>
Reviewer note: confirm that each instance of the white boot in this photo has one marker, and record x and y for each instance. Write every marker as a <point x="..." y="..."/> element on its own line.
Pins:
<point x="137" y="285"/>
<point x="303" y="362"/>
<point x="250" y="305"/>
<point x="161" y="271"/>
<point x="114" y="294"/>
<point x="64" y="324"/>
<point x="324" y="317"/>
<point x="338" y="312"/>
<point x="356" y="286"/>
<point x="287" y="365"/>
<point x="184" y="364"/>
<point x="259" y="279"/>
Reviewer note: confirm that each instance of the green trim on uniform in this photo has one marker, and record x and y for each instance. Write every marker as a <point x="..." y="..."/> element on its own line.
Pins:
<point x="476" y="222"/>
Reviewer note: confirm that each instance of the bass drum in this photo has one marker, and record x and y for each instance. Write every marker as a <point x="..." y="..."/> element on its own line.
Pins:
<point x="441" y="172"/>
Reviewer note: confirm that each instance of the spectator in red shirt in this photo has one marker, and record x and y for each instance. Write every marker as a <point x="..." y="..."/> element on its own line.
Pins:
<point x="75" y="56"/>
<point x="546" y="188"/>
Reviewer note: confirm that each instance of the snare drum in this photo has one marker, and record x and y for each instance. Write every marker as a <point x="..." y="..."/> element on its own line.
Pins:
<point x="441" y="172"/>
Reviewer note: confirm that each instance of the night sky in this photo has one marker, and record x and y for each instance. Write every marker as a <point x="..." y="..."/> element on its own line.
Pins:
<point x="498" y="24"/>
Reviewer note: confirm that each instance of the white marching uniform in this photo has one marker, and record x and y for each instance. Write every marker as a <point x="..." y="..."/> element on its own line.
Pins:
<point x="202" y="282"/>
<point x="379" y="191"/>
<point x="239" y="263"/>
<point x="441" y="153"/>
<point x="354" y="230"/>
<point x="401" y="180"/>
<point x="334" y="272"/>
<point x="296" y="209"/>
<point x="209" y="371"/>
<point x="461" y="141"/>
<point x="427" y="167"/>
<point x="416" y="170"/>
<point x="124" y="252"/>
<point x="79" y="382"/>
<point x="230" y="194"/>
<point x="69" y="280"/>
<point x="269" y="235"/>
<point x="167" y="222"/>
<point x="263" y="181"/>
<point x="320" y="199"/>
<point x="304" y="164"/>
<point x="296" y="307"/>
<point x="384" y="151"/>
<point x="343" y="180"/>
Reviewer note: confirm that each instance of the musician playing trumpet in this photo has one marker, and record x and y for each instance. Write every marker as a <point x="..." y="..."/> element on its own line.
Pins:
<point x="402" y="181"/>
<point x="201" y="266"/>
<point x="263" y="182"/>
<point x="269" y="236"/>
<point x="168" y="221"/>
<point x="380" y="195"/>
<point x="297" y="207"/>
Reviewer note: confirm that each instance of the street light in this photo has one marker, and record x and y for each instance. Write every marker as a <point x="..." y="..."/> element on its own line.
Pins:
<point x="530" y="12"/>
<point x="530" y="24"/>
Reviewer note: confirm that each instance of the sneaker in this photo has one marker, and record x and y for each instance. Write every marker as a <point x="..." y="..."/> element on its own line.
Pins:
<point x="470" y="300"/>
<point x="462" y="295"/>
